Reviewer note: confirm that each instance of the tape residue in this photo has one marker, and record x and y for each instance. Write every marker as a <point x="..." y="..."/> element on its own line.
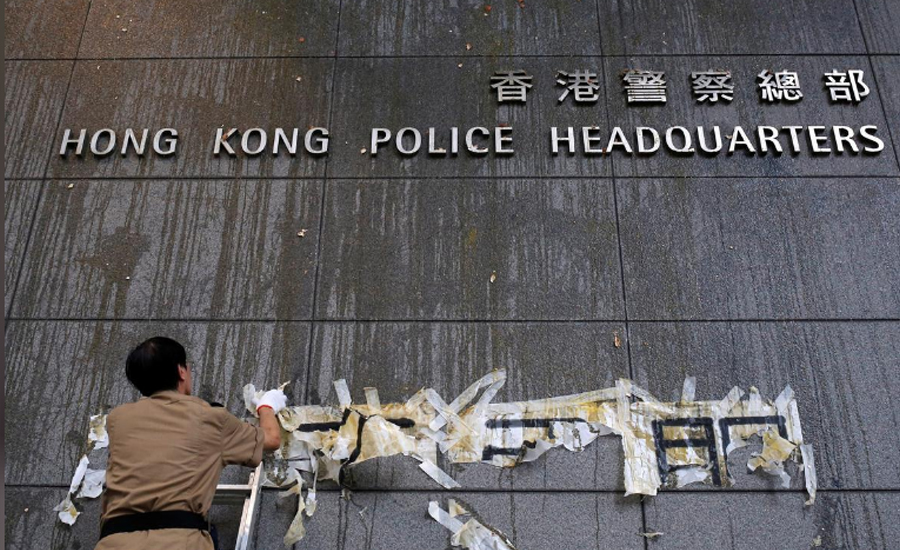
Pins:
<point x="665" y="444"/>
<point x="86" y="482"/>
<point x="472" y="534"/>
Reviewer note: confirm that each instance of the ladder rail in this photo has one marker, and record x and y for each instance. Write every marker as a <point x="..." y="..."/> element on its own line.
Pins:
<point x="229" y="494"/>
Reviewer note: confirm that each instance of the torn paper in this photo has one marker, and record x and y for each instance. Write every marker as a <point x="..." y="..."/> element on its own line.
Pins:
<point x="297" y="529"/>
<point x="472" y="534"/>
<point x="97" y="434"/>
<point x="67" y="511"/>
<point x="86" y="482"/>
<point x="92" y="484"/>
<point x="665" y="444"/>
<point x="78" y="477"/>
<point x="809" y="472"/>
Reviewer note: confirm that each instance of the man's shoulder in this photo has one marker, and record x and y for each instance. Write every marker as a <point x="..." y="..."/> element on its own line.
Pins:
<point x="187" y="405"/>
<point x="199" y="408"/>
<point x="126" y="409"/>
<point x="163" y="399"/>
<point x="213" y="410"/>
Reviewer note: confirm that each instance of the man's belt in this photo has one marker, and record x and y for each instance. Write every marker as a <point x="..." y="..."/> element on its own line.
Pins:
<point x="150" y="521"/>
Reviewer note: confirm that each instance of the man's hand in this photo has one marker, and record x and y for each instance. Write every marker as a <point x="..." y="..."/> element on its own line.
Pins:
<point x="267" y="407"/>
<point x="274" y="399"/>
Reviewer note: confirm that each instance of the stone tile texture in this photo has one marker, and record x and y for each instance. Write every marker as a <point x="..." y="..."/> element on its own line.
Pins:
<point x="468" y="28"/>
<point x="735" y="521"/>
<point x="887" y="70"/>
<point x="660" y="28"/>
<point x="761" y="248"/>
<point x="35" y="92"/>
<point x="20" y="204"/>
<point x="384" y="521"/>
<point x="43" y="29"/>
<point x="173" y="250"/>
<point x="879" y="20"/>
<point x="469" y="249"/>
<point x="123" y="29"/>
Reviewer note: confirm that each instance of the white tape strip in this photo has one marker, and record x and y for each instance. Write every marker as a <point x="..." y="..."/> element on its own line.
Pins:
<point x="472" y="534"/>
<point x="79" y="474"/>
<point x="783" y="399"/>
<point x="688" y="389"/>
<point x="494" y="379"/>
<point x="372" y="400"/>
<point x="445" y="412"/>
<point x="809" y="472"/>
<point x="438" y="475"/>
<point x="441" y="516"/>
<point x="730" y="400"/>
<point x="343" y="394"/>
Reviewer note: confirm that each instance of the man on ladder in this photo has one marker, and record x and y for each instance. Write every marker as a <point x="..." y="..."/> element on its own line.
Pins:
<point x="167" y="450"/>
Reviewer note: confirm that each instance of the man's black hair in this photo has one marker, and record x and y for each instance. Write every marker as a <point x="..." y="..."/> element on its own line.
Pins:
<point x="153" y="365"/>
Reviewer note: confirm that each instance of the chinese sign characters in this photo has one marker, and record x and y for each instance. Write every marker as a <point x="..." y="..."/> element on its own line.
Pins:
<point x="511" y="85"/>
<point x="640" y="86"/>
<point x="783" y="85"/>
<point x="645" y="86"/>
<point x="582" y="83"/>
<point x="847" y="86"/>
<point x="710" y="87"/>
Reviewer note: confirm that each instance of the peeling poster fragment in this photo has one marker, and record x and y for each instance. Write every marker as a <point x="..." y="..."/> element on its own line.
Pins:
<point x="472" y="534"/>
<point x="665" y="444"/>
<point x="86" y="482"/>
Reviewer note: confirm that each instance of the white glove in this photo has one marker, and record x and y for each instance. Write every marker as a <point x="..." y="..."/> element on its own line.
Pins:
<point x="272" y="398"/>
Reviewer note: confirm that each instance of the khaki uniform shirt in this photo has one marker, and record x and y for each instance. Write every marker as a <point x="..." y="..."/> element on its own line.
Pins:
<point x="166" y="452"/>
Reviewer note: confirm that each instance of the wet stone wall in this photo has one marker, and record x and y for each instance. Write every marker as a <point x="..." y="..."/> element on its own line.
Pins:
<point x="568" y="270"/>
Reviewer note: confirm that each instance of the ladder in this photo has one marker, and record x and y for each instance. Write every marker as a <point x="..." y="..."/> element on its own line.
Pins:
<point x="248" y="495"/>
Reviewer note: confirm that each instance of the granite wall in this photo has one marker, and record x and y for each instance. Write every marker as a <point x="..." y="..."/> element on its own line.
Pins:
<point x="740" y="270"/>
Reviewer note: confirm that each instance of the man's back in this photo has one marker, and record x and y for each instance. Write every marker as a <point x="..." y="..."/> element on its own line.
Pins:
<point x="166" y="452"/>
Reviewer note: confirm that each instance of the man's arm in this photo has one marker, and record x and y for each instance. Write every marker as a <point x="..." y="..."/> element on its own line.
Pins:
<point x="271" y="429"/>
<point x="267" y="406"/>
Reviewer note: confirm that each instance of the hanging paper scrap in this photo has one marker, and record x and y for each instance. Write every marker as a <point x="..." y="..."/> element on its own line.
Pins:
<point x="665" y="444"/>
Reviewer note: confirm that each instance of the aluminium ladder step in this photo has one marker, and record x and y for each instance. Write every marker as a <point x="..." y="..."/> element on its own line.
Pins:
<point x="248" y="495"/>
